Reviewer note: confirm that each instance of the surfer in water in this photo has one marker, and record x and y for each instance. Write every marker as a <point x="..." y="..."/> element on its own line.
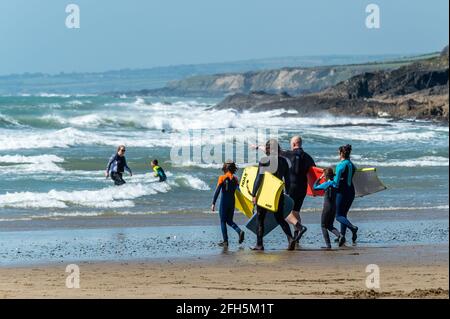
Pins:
<point x="227" y="185"/>
<point x="278" y="166"/>
<point x="117" y="165"/>
<point x="329" y="205"/>
<point x="299" y="164"/>
<point x="158" y="171"/>
<point x="345" y="171"/>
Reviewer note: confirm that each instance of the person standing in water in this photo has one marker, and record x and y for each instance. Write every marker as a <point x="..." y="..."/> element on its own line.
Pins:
<point x="117" y="165"/>
<point x="300" y="163"/>
<point x="158" y="171"/>
<point x="278" y="166"/>
<point x="345" y="171"/>
<point x="329" y="205"/>
<point x="227" y="185"/>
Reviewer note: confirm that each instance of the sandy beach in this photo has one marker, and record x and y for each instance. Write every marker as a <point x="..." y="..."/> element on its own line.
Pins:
<point x="405" y="272"/>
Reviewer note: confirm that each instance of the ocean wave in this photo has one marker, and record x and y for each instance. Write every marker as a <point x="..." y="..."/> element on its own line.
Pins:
<point x="424" y="161"/>
<point x="139" y="185"/>
<point x="189" y="181"/>
<point x="19" y="159"/>
<point x="8" y="122"/>
<point x="30" y="164"/>
<point x="110" y="197"/>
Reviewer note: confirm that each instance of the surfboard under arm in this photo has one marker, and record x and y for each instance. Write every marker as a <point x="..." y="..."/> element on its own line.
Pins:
<point x="366" y="182"/>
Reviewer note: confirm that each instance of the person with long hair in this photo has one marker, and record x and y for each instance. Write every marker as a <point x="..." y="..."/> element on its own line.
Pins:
<point x="345" y="195"/>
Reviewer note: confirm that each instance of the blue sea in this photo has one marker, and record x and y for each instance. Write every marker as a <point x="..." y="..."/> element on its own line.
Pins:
<point x="54" y="150"/>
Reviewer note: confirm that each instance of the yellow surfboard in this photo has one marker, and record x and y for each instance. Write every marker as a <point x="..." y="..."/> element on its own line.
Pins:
<point x="269" y="193"/>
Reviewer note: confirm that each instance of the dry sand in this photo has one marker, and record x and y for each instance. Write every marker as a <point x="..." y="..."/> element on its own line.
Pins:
<point x="406" y="272"/>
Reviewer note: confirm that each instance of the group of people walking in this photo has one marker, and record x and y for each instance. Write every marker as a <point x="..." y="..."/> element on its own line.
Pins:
<point x="292" y="167"/>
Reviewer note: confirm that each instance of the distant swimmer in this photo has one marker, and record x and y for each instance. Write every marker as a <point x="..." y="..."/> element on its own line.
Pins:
<point x="117" y="165"/>
<point x="227" y="185"/>
<point x="345" y="171"/>
<point x="158" y="171"/>
<point x="329" y="205"/>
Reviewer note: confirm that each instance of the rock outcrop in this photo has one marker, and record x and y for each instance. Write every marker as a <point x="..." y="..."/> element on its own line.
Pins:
<point x="419" y="90"/>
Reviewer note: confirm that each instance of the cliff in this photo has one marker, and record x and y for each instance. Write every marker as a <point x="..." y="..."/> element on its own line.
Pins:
<point x="417" y="90"/>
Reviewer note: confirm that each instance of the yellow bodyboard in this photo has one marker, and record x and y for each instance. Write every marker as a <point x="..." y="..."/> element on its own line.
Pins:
<point x="270" y="191"/>
<point x="243" y="204"/>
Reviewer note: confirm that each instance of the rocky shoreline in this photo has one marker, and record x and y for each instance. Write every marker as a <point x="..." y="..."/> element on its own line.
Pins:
<point x="416" y="91"/>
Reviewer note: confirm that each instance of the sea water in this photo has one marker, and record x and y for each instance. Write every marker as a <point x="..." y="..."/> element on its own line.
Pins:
<point x="54" y="150"/>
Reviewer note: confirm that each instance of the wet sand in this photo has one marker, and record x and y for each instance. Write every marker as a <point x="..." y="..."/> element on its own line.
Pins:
<point x="419" y="271"/>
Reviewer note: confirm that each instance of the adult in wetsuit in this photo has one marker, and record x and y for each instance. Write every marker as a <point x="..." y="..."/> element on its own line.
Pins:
<point x="329" y="206"/>
<point x="278" y="166"/>
<point x="299" y="162"/>
<point x="117" y="165"/>
<point x="227" y="185"/>
<point x="345" y="171"/>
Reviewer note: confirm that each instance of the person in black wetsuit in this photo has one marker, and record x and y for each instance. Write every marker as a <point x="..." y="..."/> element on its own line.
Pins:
<point x="279" y="167"/>
<point x="227" y="185"/>
<point x="299" y="162"/>
<point x="329" y="205"/>
<point x="117" y="165"/>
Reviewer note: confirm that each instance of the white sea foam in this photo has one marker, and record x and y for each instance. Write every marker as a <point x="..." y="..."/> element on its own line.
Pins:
<point x="19" y="164"/>
<point x="189" y="181"/>
<point x="424" y="161"/>
<point x="110" y="197"/>
<point x="19" y="159"/>
<point x="139" y="185"/>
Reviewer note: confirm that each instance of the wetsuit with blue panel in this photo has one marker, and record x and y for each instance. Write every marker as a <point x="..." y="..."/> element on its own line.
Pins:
<point x="345" y="171"/>
<point x="159" y="172"/>
<point x="117" y="165"/>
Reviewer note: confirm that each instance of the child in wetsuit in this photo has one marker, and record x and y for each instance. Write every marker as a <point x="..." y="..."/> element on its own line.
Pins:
<point x="159" y="172"/>
<point x="329" y="205"/>
<point x="227" y="185"/>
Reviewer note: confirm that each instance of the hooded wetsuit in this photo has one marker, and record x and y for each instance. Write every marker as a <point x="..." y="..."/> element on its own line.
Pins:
<point x="281" y="172"/>
<point x="115" y="168"/>
<point x="329" y="209"/>
<point x="299" y="162"/>
<point x="345" y="171"/>
<point x="226" y="185"/>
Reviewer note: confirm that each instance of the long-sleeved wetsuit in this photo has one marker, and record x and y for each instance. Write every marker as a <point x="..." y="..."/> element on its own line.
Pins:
<point x="116" y="166"/>
<point x="345" y="171"/>
<point x="300" y="163"/>
<point x="329" y="209"/>
<point x="226" y="185"/>
<point x="279" y="167"/>
<point x="159" y="172"/>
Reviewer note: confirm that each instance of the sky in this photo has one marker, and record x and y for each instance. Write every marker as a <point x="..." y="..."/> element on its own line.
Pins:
<point x="117" y="34"/>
